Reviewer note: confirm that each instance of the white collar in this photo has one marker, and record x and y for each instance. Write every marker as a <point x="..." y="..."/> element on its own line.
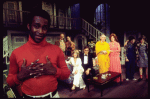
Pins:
<point x="84" y="54"/>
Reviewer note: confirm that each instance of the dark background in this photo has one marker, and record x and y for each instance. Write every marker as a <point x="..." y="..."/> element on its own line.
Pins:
<point x="125" y="15"/>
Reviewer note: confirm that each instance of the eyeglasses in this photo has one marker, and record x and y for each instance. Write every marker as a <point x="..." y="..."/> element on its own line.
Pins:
<point x="86" y="50"/>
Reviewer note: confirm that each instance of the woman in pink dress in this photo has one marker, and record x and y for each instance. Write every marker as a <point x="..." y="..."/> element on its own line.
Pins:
<point x="114" y="55"/>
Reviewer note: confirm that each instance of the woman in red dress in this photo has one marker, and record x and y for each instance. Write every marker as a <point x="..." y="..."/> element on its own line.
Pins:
<point x="114" y="55"/>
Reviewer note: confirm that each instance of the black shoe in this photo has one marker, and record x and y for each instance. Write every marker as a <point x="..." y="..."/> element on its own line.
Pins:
<point x="139" y="79"/>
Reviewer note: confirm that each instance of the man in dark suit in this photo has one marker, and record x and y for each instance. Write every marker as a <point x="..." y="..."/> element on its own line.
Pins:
<point x="87" y="64"/>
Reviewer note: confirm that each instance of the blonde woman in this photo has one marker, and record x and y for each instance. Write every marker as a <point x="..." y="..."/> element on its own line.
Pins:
<point x="77" y="70"/>
<point x="102" y="52"/>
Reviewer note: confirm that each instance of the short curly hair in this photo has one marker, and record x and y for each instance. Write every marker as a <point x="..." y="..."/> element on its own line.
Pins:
<point x="39" y="12"/>
<point x="114" y="35"/>
<point x="131" y="38"/>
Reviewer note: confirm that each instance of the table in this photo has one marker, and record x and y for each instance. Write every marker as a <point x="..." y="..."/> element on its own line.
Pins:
<point x="100" y="82"/>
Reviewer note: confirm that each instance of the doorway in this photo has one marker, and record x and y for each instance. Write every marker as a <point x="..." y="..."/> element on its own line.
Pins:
<point x="80" y="42"/>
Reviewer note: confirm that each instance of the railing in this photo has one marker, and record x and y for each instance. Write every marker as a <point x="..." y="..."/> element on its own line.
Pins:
<point x="17" y="17"/>
<point x="65" y="22"/>
<point x="91" y="30"/>
<point x="14" y="17"/>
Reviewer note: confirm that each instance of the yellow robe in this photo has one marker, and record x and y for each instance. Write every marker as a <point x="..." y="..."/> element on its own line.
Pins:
<point x="103" y="60"/>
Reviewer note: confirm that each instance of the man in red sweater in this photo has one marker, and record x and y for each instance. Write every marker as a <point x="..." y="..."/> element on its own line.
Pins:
<point x="37" y="65"/>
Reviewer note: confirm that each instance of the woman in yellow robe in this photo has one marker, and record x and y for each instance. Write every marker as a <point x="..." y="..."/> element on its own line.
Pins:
<point x="102" y="52"/>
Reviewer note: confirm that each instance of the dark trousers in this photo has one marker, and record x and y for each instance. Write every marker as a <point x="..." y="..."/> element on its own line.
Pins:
<point x="90" y="76"/>
<point x="85" y="77"/>
<point x="130" y="68"/>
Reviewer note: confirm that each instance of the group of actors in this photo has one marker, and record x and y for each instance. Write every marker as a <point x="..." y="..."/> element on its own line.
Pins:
<point x="108" y="55"/>
<point x="35" y="66"/>
<point x="136" y="54"/>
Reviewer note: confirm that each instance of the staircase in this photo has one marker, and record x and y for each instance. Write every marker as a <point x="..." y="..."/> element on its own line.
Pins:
<point x="90" y="30"/>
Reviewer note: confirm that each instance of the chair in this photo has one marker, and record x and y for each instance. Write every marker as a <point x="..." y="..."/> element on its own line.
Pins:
<point x="70" y="78"/>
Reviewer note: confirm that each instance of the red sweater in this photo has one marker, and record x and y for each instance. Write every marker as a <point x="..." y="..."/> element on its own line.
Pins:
<point x="32" y="51"/>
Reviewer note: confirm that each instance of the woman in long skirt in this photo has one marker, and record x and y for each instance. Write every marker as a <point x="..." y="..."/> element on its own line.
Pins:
<point x="102" y="52"/>
<point x="115" y="65"/>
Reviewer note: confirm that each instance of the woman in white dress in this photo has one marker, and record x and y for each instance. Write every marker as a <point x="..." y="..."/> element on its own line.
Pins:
<point x="77" y="70"/>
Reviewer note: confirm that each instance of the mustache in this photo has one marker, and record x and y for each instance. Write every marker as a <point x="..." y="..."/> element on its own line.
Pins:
<point x="40" y="34"/>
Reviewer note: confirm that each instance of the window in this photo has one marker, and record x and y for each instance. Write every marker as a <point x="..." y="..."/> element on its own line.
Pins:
<point x="49" y="39"/>
<point x="19" y="40"/>
<point x="61" y="17"/>
<point x="102" y="17"/>
<point x="5" y="46"/>
<point x="11" y="12"/>
<point x="99" y="13"/>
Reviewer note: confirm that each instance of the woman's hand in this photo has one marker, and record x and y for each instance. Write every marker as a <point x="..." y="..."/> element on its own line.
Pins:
<point x="111" y="50"/>
<point x="105" y="52"/>
<point x="76" y="72"/>
<point x="126" y="42"/>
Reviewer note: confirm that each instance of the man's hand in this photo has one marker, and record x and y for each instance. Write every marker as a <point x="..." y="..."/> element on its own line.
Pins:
<point x="87" y="72"/>
<point x="27" y="71"/>
<point x="48" y="68"/>
<point x="44" y="69"/>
